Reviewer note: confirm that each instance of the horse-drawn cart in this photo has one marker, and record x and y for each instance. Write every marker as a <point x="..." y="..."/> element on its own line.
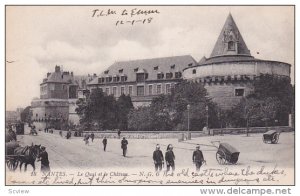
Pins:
<point x="11" y="160"/>
<point x="271" y="136"/>
<point x="227" y="154"/>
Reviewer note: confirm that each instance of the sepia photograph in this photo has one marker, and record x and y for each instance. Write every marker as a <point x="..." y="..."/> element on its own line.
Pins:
<point x="149" y="95"/>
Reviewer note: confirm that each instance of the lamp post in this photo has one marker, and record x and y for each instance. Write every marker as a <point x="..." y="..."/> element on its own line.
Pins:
<point x="206" y="109"/>
<point x="188" y="108"/>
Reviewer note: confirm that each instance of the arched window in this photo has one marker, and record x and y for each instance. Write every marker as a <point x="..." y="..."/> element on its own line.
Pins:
<point x="231" y="45"/>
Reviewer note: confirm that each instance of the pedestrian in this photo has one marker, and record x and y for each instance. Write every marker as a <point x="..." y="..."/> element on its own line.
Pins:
<point x="43" y="157"/>
<point x="60" y="133"/>
<point x="104" y="141"/>
<point x="119" y="133"/>
<point x="124" y="144"/>
<point x="170" y="158"/>
<point x="86" y="138"/>
<point x="92" y="137"/>
<point x="158" y="158"/>
<point x="198" y="158"/>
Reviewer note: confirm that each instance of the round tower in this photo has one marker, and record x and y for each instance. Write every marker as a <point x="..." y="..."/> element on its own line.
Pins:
<point x="229" y="72"/>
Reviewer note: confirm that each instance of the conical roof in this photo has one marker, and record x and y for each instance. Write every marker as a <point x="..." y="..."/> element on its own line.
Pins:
<point x="229" y="33"/>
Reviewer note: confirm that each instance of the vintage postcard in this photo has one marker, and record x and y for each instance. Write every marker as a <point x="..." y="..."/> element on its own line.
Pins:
<point x="150" y="95"/>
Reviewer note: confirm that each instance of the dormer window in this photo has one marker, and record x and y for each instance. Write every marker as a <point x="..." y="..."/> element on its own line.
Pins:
<point x="106" y="72"/>
<point x="120" y="70"/>
<point x="155" y="68"/>
<point x="136" y="69"/>
<point x="178" y="74"/>
<point x="231" y="45"/>
<point x="116" y="79"/>
<point x="160" y="75"/>
<point x="173" y="66"/>
<point x="123" y="78"/>
<point x="108" y="79"/>
<point x="169" y="75"/>
<point x="190" y="64"/>
<point x="194" y="71"/>
<point x="99" y="80"/>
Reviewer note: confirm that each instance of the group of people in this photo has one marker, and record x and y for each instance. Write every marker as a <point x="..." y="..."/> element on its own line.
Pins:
<point x="158" y="158"/>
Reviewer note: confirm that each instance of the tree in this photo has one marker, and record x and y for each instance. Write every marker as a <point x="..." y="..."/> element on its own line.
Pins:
<point x="99" y="110"/>
<point x="169" y="112"/>
<point x="124" y="105"/>
<point x="278" y="88"/>
<point x="26" y="115"/>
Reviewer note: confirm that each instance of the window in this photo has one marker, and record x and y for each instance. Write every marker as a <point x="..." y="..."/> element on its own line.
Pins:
<point x="173" y="66"/>
<point x="155" y="68"/>
<point x="136" y="69"/>
<point x="194" y="71"/>
<point x="178" y="74"/>
<point x="106" y="72"/>
<point x="99" y="80"/>
<point x="169" y="75"/>
<point x="140" y="77"/>
<point x="123" y="78"/>
<point x="108" y="79"/>
<point x="122" y="90"/>
<point x="190" y="64"/>
<point x="150" y="90"/>
<point x="160" y="76"/>
<point x="231" y="45"/>
<point x="116" y="78"/>
<point x="158" y="89"/>
<point x="168" y="88"/>
<point x="107" y="91"/>
<point x="130" y="90"/>
<point x="120" y="70"/>
<point x="239" y="92"/>
<point x="114" y="91"/>
<point x="140" y="90"/>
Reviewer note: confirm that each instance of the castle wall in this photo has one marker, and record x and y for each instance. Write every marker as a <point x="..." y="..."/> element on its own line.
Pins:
<point x="225" y="82"/>
<point x="224" y="94"/>
<point x="251" y="68"/>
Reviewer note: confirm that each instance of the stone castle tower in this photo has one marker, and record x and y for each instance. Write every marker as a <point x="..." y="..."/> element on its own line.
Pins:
<point x="229" y="72"/>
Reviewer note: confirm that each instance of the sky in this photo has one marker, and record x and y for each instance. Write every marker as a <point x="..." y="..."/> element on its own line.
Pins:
<point x="40" y="37"/>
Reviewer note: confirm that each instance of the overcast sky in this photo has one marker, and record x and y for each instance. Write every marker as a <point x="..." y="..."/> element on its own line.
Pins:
<point x="38" y="38"/>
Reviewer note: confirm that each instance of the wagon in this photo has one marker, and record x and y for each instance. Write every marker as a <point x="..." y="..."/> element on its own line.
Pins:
<point x="271" y="136"/>
<point x="11" y="160"/>
<point x="227" y="154"/>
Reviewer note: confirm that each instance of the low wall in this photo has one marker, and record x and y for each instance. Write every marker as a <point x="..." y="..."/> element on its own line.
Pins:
<point x="177" y="134"/>
<point x="243" y="130"/>
<point x="138" y="134"/>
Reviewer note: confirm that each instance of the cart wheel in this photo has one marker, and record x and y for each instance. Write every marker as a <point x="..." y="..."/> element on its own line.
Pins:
<point x="275" y="138"/>
<point x="220" y="156"/>
<point x="264" y="140"/>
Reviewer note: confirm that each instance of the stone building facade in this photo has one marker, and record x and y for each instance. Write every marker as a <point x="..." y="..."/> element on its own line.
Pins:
<point x="59" y="92"/>
<point x="229" y="72"/>
<point x="142" y="79"/>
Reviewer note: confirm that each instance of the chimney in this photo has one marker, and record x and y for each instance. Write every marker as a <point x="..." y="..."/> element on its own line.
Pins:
<point x="95" y="75"/>
<point x="57" y="68"/>
<point x="48" y="74"/>
<point x="71" y="73"/>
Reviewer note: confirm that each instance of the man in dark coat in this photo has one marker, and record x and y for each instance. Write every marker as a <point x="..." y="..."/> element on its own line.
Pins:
<point x="198" y="158"/>
<point x="43" y="157"/>
<point x="104" y="141"/>
<point x="170" y="158"/>
<point x="92" y="136"/>
<point x="124" y="144"/>
<point x="158" y="158"/>
<point x="119" y="133"/>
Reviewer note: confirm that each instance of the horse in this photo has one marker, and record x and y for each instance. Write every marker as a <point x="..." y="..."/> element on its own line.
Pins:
<point x="27" y="155"/>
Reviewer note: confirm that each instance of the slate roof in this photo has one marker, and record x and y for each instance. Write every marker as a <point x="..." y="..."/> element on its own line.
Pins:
<point x="164" y="65"/>
<point x="220" y="47"/>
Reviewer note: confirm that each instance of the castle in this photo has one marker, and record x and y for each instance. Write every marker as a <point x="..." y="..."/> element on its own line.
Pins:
<point x="228" y="75"/>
